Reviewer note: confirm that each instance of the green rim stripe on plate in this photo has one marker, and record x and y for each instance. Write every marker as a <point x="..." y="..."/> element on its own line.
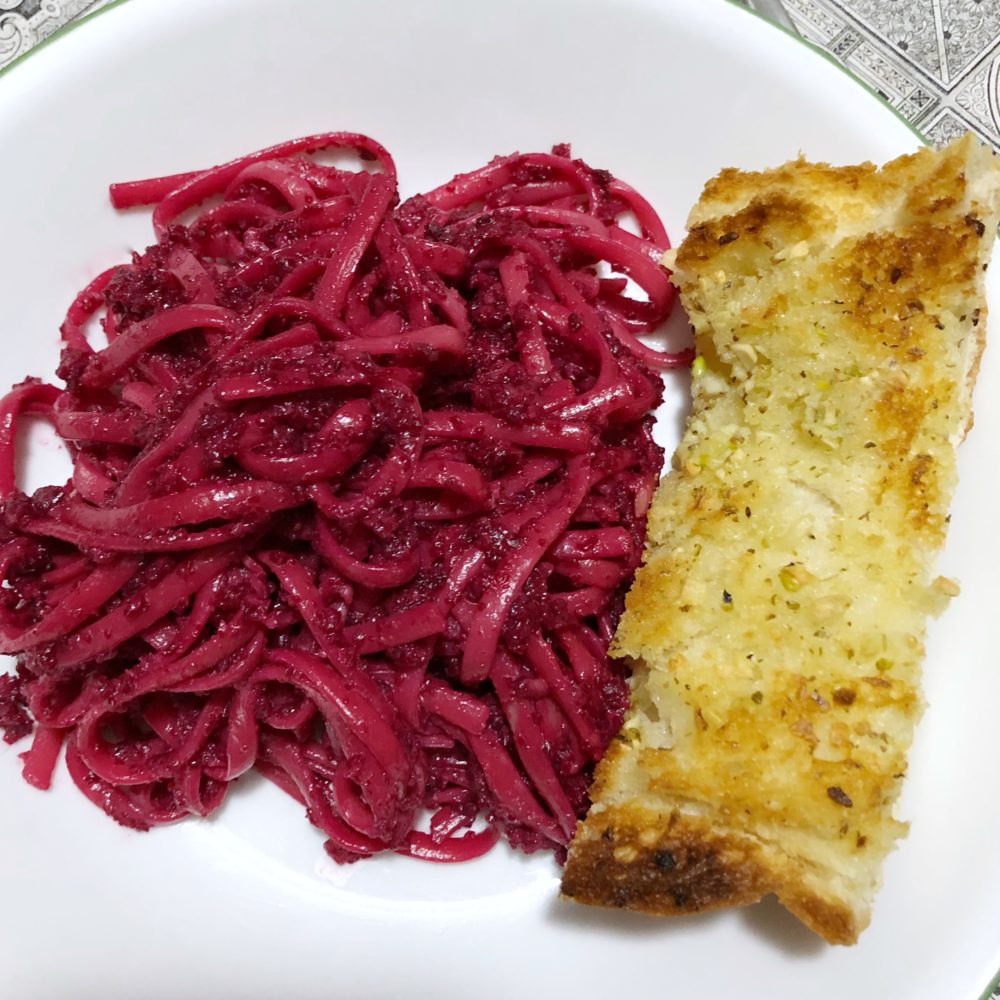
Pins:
<point x="992" y="989"/>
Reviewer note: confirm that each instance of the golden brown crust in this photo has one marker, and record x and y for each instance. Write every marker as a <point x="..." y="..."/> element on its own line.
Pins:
<point x="668" y="862"/>
<point x="785" y="219"/>
<point x="776" y="626"/>
<point x="979" y="345"/>
<point x="836" y="923"/>
<point x="689" y="867"/>
<point x="692" y="866"/>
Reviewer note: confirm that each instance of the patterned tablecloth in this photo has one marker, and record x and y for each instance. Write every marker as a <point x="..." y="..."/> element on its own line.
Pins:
<point x="936" y="62"/>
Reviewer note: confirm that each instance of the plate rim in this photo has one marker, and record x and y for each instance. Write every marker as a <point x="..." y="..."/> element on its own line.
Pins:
<point x="739" y="5"/>
<point x="992" y="989"/>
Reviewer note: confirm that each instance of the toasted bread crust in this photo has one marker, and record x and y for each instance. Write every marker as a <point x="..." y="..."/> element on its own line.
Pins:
<point x="776" y="627"/>
<point x="692" y="866"/>
<point x="665" y="864"/>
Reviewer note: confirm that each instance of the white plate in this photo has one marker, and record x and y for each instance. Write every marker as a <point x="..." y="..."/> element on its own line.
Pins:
<point x="245" y="906"/>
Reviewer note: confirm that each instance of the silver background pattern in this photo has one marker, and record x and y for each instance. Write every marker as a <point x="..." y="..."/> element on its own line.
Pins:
<point x="936" y="62"/>
<point x="25" y="23"/>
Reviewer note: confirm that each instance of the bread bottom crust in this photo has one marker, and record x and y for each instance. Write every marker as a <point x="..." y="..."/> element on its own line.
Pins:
<point x="671" y="863"/>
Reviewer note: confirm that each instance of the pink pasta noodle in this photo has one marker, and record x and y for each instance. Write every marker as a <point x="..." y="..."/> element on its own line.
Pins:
<point x="357" y="490"/>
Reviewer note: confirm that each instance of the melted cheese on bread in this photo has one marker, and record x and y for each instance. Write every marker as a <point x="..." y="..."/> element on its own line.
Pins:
<point x="776" y="628"/>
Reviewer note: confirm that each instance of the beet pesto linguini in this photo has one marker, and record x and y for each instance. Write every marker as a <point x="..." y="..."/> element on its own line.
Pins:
<point x="357" y="490"/>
